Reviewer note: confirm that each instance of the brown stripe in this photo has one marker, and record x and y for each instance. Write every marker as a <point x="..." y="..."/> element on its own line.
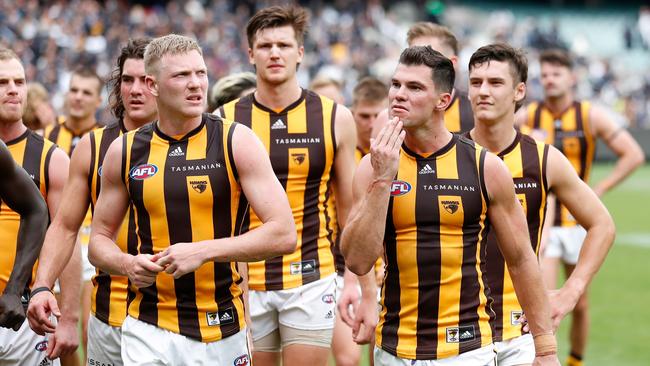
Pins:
<point x="222" y="222"/>
<point x="46" y="167"/>
<point x="470" y="287"/>
<point x="391" y="287"/>
<point x="428" y="261"/>
<point x="140" y="151"/>
<point x="54" y="134"/>
<point x="242" y="115"/>
<point x="537" y="121"/>
<point x="466" y="114"/>
<point x="32" y="158"/>
<point x="583" y="141"/>
<point x="532" y="173"/>
<point x="92" y="171"/>
<point x="317" y="165"/>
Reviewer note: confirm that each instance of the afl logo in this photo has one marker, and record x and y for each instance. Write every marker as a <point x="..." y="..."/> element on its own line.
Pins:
<point x="241" y="360"/>
<point x="143" y="171"/>
<point x="399" y="187"/>
<point x="41" y="346"/>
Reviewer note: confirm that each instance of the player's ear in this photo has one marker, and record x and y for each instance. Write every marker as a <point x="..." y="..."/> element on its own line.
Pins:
<point x="520" y="92"/>
<point x="152" y="84"/>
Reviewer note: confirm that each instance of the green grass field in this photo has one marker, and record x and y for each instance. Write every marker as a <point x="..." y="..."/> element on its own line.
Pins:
<point x="620" y="293"/>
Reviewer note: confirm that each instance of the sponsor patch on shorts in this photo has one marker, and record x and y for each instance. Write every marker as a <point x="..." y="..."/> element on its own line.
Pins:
<point x="221" y="317"/>
<point x="460" y="334"/>
<point x="304" y="267"/>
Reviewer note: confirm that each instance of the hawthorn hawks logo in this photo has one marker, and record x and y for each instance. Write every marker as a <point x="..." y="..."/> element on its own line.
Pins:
<point x="451" y="206"/>
<point x="199" y="185"/>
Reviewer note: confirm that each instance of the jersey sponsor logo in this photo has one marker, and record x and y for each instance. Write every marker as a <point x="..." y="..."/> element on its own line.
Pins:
<point x="278" y="125"/>
<point x="298" y="140"/>
<point x="298" y="158"/>
<point x="526" y="185"/>
<point x="220" y="317"/>
<point x="448" y="187"/>
<point x="195" y="167"/>
<point x="304" y="267"/>
<point x="460" y="334"/>
<point x="143" y="171"/>
<point x="242" y="360"/>
<point x="399" y="187"/>
<point x="515" y="317"/>
<point x="41" y="346"/>
<point x="199" y="185"/>
<point x="177" y="152"/>
<point x="427" y="170"/>
<point x="328" y="298"/>
<point x="451" y="206"/>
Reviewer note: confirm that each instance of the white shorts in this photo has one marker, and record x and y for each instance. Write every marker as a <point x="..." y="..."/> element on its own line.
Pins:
<point x="87" y="269"/>
<point x="308" y="307"/>
<point x="515" y="351"/>
<point x="146" y="344"/>
<point x="565" y="243"/>
<point x="484" y="356"/>
<point x="24" y="347"/>
<point x="104" y="343"/>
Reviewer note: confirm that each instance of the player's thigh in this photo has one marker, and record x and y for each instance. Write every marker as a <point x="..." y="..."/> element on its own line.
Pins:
<point x="345" y="351"/>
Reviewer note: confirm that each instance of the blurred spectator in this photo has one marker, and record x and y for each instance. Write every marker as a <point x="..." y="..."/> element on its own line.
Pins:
<point x="38" y="111"/>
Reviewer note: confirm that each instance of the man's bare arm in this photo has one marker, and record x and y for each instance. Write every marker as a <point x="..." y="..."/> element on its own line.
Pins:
<point x="620" y="141"/>
<point x="591" y="214"/>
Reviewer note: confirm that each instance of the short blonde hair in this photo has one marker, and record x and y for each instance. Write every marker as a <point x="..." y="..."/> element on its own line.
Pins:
<point x="7" y="54"/>
<point x="428" y="29"/>
<point x="171" y="44"/>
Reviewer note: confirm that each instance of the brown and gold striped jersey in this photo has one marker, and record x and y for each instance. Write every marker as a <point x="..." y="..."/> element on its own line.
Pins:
<point x="32" y="153"/>
<point x="185" y="190"/>
<point x="109" y="296"/>
<point x="435" y="295"/>
<point x="570" y="132"/>
<point x="459" y="117"/>
<point x="526" y="161"/>
<point x="64" y="137"/>
<point x="301" y="143"/>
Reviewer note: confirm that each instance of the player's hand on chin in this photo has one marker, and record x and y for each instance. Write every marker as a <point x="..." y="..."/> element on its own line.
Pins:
<point x="181" y="258"/>
<point x="142" y="270"/>
<point x="384" y="150"/>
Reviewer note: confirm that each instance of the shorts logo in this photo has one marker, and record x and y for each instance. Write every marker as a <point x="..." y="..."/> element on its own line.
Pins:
<point x="515" y="317"/>
<point x="328" y="298"/>
<point x="329" y="315"/>
<point x="460" y="334"/>
<point x="45" y="362"/>
<point x="41" y="346"/>
<point x="298" y="158"/>
<point x="199" y="185"/>
<point x="242" y="360"/>
<point x="451" y="206"/>
<point x="143" y="171"/>
<point x="304" y="267"/>
<point x="221" y="317"/>
<point x="92" y="362"/>
<point x="399" y="187"/>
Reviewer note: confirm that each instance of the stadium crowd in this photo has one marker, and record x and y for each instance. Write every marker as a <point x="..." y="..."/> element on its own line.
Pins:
<point x="347" y="40"/>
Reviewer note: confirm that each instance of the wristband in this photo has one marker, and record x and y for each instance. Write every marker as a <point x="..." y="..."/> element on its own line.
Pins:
<point x="545" y="344"/>
<point x="38" y="290"/>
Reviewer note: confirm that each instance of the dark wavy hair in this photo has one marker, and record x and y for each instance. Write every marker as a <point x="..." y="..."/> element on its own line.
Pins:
<point x="134" y="49"/>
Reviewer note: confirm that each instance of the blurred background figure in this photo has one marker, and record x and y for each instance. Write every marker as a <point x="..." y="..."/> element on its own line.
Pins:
<point x="38" y="110"/>
<point x="230" y="88"/>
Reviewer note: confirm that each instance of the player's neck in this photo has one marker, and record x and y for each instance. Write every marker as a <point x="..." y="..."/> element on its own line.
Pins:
<point x="11" y="130"/>
<point x="557" y="105"/>
<point x="278" y="96"/>
<point x="496" y="136"/>
<point x="131" y="125"/>
<point x="172" y="124"/>
<point x="363" y="145"/>
<point x="428" y="138"/>
<point x="80" y="125"/>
